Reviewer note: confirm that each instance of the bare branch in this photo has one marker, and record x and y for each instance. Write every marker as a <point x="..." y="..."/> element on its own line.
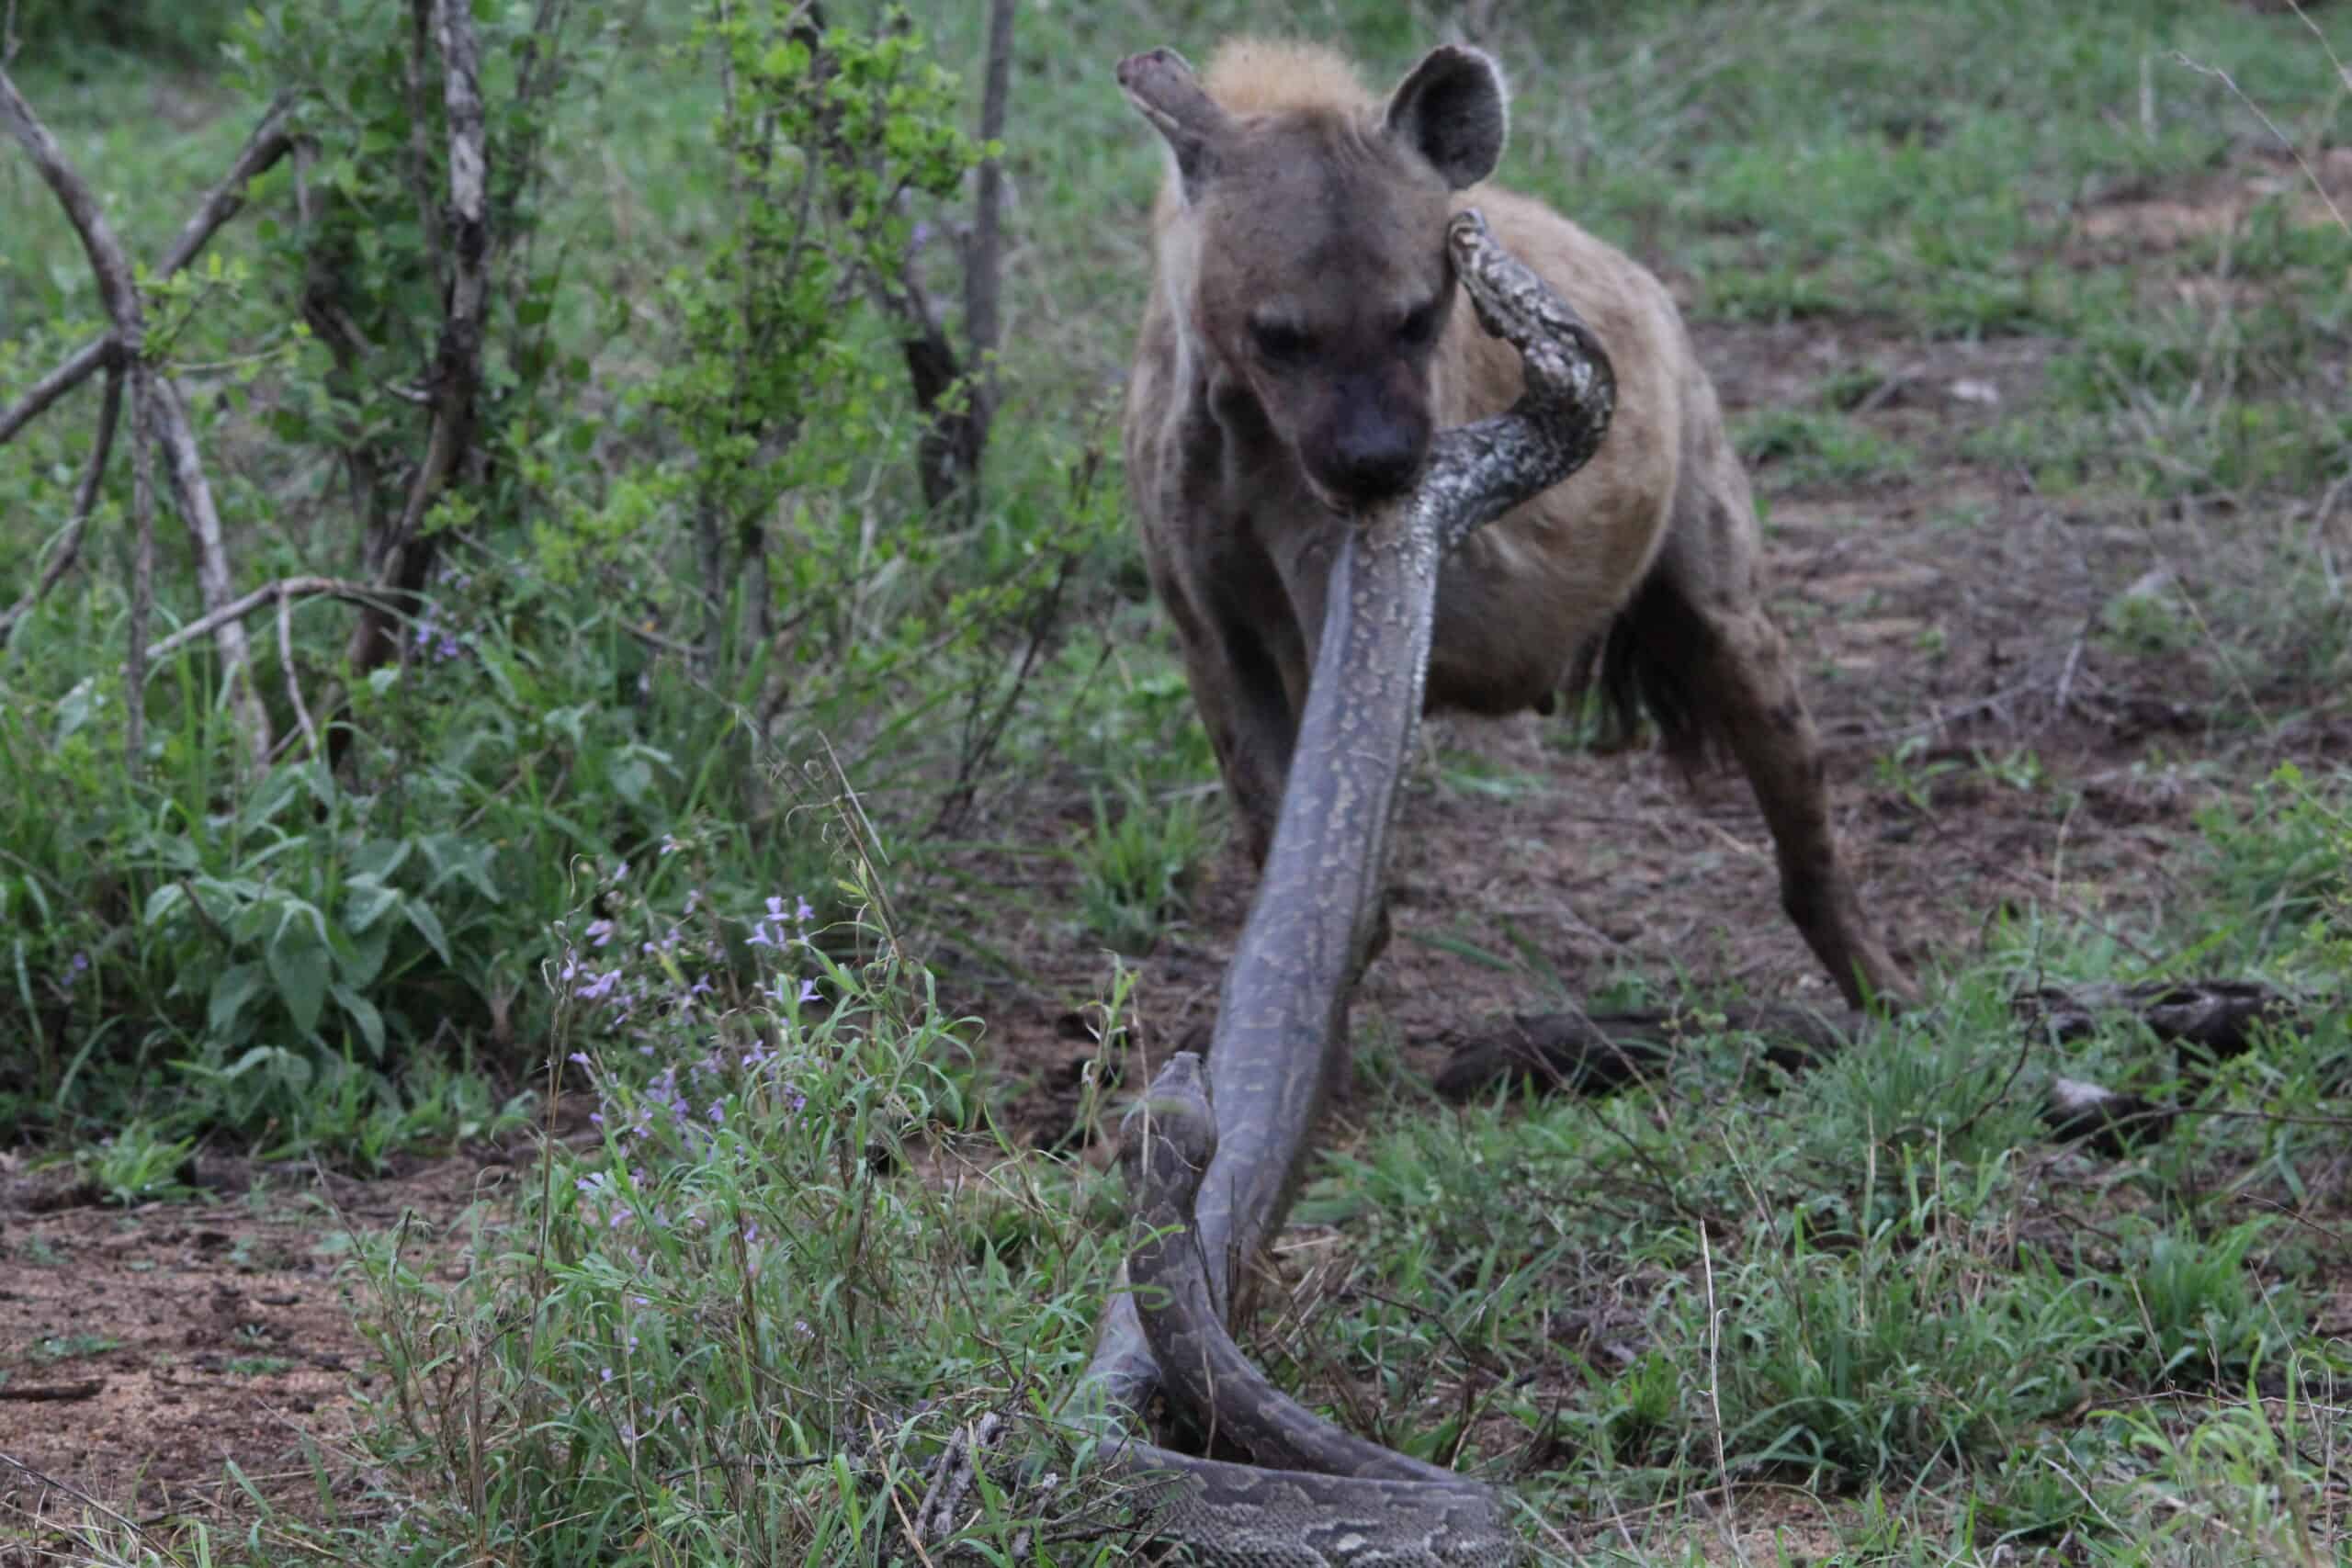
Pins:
<point x="402" y="555"/>
<point x="55" y="385"/>
<point x="212" y="575"/>
<point x="86" y="498"/>
<point x="286" y="666"/>
<point x="160" y="410"/>
<point x="546" y="25"/>
<point x="142" y="566"/>
<point x="284" y="588"/>
<point x="118" y="288"/>
<point x="271" y="140"/>
<point x="983" y="262"/>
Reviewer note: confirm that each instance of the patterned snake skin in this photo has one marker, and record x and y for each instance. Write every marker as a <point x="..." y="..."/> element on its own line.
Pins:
<point x="1337" y="1498"/>
<point x="1214" y="1187"/>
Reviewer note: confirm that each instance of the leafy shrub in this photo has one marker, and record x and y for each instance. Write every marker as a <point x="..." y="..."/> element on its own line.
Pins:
<point x="742" y="1265"/>
<point x="676" y="563"/>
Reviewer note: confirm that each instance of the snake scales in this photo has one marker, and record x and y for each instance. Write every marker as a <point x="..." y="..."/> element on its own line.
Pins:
<point x="1336" y="1498"/>
<point x="1323" y="1496"/>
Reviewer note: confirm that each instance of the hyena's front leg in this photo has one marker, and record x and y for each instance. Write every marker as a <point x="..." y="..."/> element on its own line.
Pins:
<point x="1246" y="705"/>
<point x="1237" y="687"/>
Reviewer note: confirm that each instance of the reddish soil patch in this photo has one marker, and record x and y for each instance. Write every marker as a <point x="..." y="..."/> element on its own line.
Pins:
<point x="178" y="1336"/>
<point x="2146" y="219"/>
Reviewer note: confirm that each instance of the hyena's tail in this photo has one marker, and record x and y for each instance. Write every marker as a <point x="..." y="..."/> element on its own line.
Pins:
<point x="1644" y="664"/>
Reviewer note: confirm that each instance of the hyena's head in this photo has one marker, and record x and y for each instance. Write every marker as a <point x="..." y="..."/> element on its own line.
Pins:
<point x="1307" y="255"/>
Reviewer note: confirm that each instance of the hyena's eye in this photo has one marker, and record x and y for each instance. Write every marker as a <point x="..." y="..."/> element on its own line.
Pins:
<point x="1279" y="343"/>
<point x="1419" y="325"/>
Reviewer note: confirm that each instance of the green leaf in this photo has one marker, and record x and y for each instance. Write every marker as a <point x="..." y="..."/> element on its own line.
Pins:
<point x="369" y="901"/>
<point x="455" y="858"/>
<point x="361" y="958"/>
<point x="161" y="902"/>
<point x="363" y="1014"/>
<point x="297" y="962"/>
<point x="428" y="926"/>
<point x="382" y="856"/>
<point x="232" y="989"/>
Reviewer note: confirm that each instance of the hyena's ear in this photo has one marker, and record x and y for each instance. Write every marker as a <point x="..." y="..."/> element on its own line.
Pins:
<point x="1164" y="90"/>
<point x="1451" y="110"/>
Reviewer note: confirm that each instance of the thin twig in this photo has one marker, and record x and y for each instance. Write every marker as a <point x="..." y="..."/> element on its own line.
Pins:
<point x="272" y="138"/>
<point x="85" y="498"/>
<point x="286" y="666"/>
<point x="142" y="566"/>
<point x="420" y="146"/>
<point x="2318" y="185"/>
<point x="70" y="1490"/>
<point x="53" y="1392"/>
<point x="401" y="557"/>
<point x="283" y="589"/>
<point x="1714" y="1392"/>
<point x="213" y="577"/>
<point x="55" y="385"/>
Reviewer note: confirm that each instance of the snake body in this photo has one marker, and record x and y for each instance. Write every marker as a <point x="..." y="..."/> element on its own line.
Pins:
<point x="1323" y="1495"/>
<point x="1319" y="1498"/>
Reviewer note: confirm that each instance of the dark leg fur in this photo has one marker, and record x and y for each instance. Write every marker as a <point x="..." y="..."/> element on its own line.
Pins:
<point x="1716" y="675"/>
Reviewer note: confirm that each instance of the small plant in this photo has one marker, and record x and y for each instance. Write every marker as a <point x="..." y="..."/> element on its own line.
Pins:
<point x="1909" y="774"/>
<point x="139" y="1164"/>
<point x="2202" y="1316"/>
<point x="1646" y="1407"/>
<point x="2285" y="859"/>
<point x="742" y="1262"/>
<point x="51" y="1348"/>
<point x="2149" y="622"/>
<point x="1810" y="447"/>
<point x="1137" y="868"/>
<point x="2020" y="769"/>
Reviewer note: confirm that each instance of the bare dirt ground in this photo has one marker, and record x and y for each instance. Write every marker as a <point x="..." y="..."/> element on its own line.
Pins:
<point x="1948" y="601"/>
<point x="146" y="1349"/>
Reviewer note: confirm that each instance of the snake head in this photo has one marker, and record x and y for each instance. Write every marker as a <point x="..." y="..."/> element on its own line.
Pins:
<point x="1170" y="1134"/>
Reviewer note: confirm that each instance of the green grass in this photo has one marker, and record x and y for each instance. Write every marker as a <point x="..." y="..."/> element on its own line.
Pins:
<point x="1134" y="871"/>
<point x="1871" y="1308"/>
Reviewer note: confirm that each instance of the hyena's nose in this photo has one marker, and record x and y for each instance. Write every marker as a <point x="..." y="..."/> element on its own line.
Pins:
<point x="1376" y="455"/>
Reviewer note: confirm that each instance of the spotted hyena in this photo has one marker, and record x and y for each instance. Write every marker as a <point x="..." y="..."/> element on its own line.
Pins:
<point x="1302" y="341"/>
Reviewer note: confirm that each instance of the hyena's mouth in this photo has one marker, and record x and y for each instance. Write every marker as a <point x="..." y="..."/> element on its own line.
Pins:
<point x="1359" y="508"/>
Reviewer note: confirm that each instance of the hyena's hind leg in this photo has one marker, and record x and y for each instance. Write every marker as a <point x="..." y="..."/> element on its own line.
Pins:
<point x="1712" y="668"/>
<point x="1696" y="649"/>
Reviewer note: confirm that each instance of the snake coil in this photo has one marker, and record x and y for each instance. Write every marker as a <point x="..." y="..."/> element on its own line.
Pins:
<point x="1314" y="1494"/>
